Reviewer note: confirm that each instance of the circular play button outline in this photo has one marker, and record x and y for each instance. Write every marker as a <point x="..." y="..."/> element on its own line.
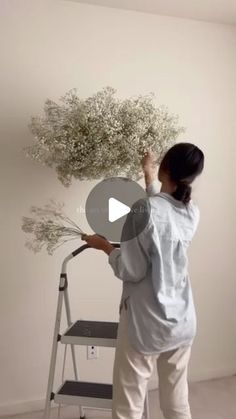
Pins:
<point x="117" y="208"/>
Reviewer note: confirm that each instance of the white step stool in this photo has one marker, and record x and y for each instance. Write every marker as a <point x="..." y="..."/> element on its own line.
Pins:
<point x="92" y="333"/>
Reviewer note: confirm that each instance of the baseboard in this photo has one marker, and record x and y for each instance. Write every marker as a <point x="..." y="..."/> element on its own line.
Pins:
<point x="211" y="374"/>
<point x="21" y="407"/>
<point x="28" y="406"/>
<point x="199" y="376"/>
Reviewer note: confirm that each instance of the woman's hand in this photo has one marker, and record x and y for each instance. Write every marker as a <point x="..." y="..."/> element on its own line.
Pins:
<point x="149" y="167"/>
<point x="97" y="242"/>
<point x="148" y="162"/>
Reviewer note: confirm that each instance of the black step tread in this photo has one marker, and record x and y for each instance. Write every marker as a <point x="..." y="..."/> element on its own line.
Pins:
<point x="93" y="329"/>
<point x="86" y="389"/>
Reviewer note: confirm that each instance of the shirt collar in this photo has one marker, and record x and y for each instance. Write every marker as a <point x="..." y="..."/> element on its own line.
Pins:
<point x="171" y="199"/>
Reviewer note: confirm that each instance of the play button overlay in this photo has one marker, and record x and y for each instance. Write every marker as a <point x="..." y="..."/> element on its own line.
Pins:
<point x="117" y="209"/>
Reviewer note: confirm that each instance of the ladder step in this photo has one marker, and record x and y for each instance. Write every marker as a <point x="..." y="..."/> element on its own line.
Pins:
<point x="85" y="332"/>
<point x="85" y="394"/>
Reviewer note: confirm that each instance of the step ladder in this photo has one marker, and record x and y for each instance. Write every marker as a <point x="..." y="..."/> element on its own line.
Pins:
<point x="93" y="333"/>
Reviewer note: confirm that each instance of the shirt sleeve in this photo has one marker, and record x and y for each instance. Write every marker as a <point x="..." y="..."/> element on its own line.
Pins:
<point x="131" y="261"/>
<point x="153" y="188"/>
<point x="197" y="218"/>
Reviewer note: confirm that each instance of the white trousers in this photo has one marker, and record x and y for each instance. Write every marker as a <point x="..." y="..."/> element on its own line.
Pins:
<point x="132" y="371"/>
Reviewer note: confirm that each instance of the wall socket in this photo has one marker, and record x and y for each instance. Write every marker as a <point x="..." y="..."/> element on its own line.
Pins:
<point x="92" y="352"/>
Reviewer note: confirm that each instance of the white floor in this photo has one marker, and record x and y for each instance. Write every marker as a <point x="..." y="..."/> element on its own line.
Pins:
<point x="215" y="399"/>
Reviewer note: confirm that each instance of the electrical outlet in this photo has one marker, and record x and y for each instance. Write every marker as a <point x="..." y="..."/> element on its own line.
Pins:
<point x="92" y="352"/>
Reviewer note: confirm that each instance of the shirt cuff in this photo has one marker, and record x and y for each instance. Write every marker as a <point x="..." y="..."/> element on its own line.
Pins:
<point x="153" y="188"/>
<point x="112" y="256"/>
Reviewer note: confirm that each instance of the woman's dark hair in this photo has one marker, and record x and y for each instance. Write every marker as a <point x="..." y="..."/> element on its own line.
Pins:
<point x="183" y="162"/>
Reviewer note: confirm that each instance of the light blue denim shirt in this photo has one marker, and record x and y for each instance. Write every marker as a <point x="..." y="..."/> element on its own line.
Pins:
<point x="154" y="269"/>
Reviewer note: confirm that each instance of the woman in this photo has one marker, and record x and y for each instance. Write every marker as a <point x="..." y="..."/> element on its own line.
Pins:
<point x="157" y="315"/>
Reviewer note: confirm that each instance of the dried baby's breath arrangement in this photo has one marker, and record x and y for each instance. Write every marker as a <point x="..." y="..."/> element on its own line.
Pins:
<point x="101" y="136"/>
<point x="92" y="138"/>
<point x="49" y="227"/>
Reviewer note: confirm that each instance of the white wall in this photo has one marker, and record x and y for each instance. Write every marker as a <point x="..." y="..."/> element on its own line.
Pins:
<point x="46" y="49"/>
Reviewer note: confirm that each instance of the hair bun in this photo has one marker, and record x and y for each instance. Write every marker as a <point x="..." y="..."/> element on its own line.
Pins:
<point x="183" y="192"/>
<point x="183" y="182"/>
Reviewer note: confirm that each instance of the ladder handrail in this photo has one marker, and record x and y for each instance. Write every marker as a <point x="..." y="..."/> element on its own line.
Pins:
<point x="86" y="246"/>
<point x="77" y="252"/>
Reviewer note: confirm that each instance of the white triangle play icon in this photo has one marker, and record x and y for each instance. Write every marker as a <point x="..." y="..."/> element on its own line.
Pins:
<point x="116" y="209"/>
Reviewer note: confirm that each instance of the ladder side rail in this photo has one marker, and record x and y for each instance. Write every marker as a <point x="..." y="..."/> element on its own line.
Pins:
<point x="69" y="322"/>
<point x="49" y="395"/>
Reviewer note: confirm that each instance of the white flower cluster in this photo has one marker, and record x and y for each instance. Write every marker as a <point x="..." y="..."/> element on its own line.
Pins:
<point x="101" y="136"/>
<point x="49" y="227"/>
